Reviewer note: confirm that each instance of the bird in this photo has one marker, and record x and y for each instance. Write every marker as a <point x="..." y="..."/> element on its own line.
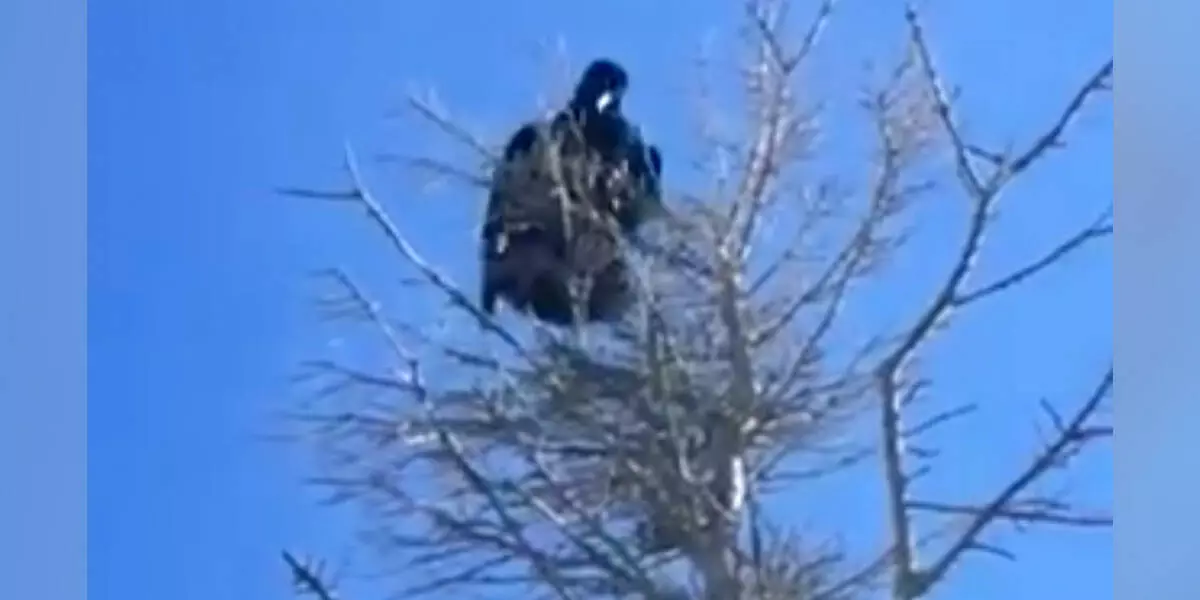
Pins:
<point x="593" y="128"/>
<point x="514" y="235"/>
<point x="546" y="227"/>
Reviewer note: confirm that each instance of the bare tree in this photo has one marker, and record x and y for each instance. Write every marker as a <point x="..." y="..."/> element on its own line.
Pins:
<point x="632" y="461"/>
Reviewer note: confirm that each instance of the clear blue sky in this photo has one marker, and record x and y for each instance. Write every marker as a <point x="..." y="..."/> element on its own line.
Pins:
<point x="197" y="303"/>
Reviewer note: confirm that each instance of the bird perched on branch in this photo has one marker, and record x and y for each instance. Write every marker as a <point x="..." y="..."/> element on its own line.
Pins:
<point x="563" y="194"/>
<point x="627" y="169"/>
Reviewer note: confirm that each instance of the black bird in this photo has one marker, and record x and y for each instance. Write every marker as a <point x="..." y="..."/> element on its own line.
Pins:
<point x="593" y="128"/>
<point x="539" y="236"/>
<point x="519" y="237"/>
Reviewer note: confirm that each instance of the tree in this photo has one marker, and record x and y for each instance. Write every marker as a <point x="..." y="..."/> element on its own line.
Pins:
<point x="636" y="461"/>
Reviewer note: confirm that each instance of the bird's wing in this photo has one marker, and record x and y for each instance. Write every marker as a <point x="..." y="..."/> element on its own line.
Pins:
<point x="522" y="142"/>
<point x="522" y="147"/>
<point x="644" y="158"/>
<point x="646" y="164"/>
<point x="655" y="159"/>
<point x="492" y="234"/>
<point x="522" y="197"/>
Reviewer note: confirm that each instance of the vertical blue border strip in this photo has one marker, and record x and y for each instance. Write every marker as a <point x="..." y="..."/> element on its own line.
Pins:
<point x="43" y="299"/>
<point x="1157" y="300"/>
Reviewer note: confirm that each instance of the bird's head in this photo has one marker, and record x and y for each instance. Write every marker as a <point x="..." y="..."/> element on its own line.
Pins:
<point x="601" y="87"/>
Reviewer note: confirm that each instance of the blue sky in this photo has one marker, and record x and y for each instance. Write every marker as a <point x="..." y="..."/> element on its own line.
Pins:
<point x="198" y="306"/>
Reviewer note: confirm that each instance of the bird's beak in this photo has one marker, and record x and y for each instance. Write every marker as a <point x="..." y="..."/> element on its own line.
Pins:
<point x="604" y="101"/>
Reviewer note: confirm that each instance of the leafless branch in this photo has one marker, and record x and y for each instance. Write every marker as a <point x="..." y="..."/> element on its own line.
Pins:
<point x="1100" y="228"/>
<point x="909" y="581"/>
<point x="429" y="108"/>
<point x="940" y="419"/>
<point x="1100" y="81"/>
<point x="1017" y="515"/>
<point x="361" y="194"/>
<point x="307" y="580"/>
<point x="438" y="168"/>
<point x="1072" y="435"/>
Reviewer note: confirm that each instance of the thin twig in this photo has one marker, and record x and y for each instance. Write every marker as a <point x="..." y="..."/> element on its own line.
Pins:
<point x="1015" y="514"/>
<point x="1075" y="432"/>
<point x="1101" y="228"/>
<point x="306" y="580"/>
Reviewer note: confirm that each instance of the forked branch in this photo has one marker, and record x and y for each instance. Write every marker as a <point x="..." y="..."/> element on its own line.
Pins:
<point x="1071" y="437"/>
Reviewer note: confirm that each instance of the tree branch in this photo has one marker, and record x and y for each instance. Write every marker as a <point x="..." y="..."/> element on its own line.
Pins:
<point x="1100" y="81"/>
<point x="1074" y="433"/>
<point x="1014" y="514"/>
<point x="307" y="580"/>
<point x="1101" y="228"/>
